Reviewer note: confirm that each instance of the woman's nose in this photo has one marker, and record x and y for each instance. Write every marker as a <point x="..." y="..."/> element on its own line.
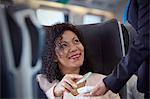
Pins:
<point x="73" y="48"/>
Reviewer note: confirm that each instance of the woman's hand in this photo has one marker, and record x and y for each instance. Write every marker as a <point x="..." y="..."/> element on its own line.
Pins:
<point x="66" y="84"/>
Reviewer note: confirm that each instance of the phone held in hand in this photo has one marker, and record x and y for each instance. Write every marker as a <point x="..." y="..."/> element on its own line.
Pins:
<point x="81" y="88"/>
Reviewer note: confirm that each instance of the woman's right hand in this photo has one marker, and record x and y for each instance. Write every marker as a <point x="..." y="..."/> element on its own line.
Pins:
<point x="66" y="84"/>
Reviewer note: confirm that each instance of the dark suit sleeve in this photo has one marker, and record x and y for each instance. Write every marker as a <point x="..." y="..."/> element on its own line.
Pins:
<point x="137" y="53"/>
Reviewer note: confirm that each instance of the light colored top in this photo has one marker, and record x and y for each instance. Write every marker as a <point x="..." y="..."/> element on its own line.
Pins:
<point x="132" y="92"/>
<point x="91" y="81"/>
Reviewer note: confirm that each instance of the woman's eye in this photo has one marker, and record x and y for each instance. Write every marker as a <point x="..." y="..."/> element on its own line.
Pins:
<point x="64" y="45"/>
<point x="76" y="40"/>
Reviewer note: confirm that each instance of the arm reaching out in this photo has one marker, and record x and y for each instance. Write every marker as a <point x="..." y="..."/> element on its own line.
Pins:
<point x="99" y="89"/>
<point x="56" y="88"/>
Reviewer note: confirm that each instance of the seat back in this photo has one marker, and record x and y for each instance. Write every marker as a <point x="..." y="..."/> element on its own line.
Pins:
<point x="105" y="43"/>
<point x="22" y="41"/>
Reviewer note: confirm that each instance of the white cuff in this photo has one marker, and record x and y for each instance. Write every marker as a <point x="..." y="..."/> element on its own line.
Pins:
<point x="50" y="93"/>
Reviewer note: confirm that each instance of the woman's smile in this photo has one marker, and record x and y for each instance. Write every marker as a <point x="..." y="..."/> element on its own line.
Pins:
<point x="75" y="56"/>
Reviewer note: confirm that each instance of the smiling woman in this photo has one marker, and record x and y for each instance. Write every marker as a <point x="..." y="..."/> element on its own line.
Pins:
<point x="64" y="63"/>
<point x="58" y="47"/>
<point x="69" y="53"/>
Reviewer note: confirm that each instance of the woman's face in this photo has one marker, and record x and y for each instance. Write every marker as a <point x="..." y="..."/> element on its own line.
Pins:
<point x="69" y="51"/>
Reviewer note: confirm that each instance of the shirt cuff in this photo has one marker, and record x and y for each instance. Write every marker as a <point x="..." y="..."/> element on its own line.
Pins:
<point x="50" y="93"/>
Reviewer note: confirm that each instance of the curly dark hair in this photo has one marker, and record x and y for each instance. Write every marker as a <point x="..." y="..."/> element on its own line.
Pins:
<point x="49" y="67"/>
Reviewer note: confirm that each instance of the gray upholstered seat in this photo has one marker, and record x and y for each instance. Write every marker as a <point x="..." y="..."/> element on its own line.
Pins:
<point x="106" y="45"/>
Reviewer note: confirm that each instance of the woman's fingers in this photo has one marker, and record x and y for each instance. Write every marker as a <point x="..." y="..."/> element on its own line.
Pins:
<point x="67" y="86"/>
<point x="68" y="81"/>
<point x="71" y="83"/>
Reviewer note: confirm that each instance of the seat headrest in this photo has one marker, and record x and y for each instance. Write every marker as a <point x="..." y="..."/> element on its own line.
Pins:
<point x="16" y="36"/>
<point x="103" y="44"/>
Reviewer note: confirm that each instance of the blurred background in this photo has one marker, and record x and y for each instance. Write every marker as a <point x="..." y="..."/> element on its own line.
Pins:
<point x="81" y="11"/>
<point x="77" y="11"/>
<point x="22" y="36"/>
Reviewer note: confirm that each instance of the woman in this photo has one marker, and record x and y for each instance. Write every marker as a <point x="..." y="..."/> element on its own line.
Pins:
<point x="64" y="61"/>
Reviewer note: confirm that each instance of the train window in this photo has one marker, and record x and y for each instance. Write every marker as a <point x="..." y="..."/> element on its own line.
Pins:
<point x="90" y="19"/>
<point x="49" y="17"/>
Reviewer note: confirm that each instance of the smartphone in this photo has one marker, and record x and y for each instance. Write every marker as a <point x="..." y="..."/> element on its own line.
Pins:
<point x="85" y="77"/>
<point x="81" y="83"/>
